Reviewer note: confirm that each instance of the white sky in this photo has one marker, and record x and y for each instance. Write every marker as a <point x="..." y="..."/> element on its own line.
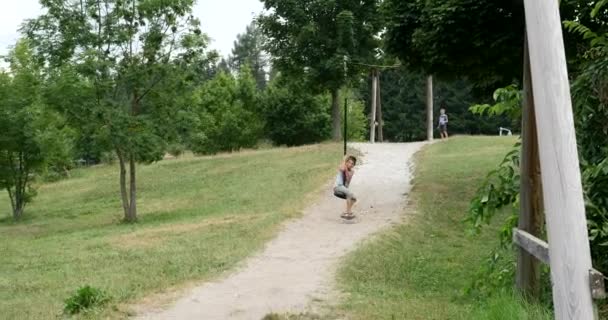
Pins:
<point x="222" y="20"/>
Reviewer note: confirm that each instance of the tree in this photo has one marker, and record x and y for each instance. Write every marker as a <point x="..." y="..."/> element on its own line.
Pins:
<point x="225" y="114"/>
<point x="32" y="135"/>
<point x="115" y="53"/>
<point x="309" y="40"/>
<point x="294" y="115"/>
<point x="248" y="51"/>
<point x="479" y="39"/>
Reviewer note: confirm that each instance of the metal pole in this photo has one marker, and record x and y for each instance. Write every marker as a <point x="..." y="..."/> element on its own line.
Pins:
<point x="345" y="123"/>
<point x="345" y="104"/>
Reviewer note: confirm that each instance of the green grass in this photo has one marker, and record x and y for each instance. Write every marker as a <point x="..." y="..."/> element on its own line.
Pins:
<point x="419" y="270"/>
<point x="198" y="217"/>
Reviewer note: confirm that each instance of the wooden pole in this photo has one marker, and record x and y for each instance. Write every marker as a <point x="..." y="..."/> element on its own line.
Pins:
<point x="429" y="108"/>
<point x="372" y="126"/>
<point x="530" y="199"/>
<point x="562" y="187"/>
<point x="379" y="115"/>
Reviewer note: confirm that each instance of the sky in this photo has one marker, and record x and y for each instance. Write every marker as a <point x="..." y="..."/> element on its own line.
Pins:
<point x="222" y="20"/>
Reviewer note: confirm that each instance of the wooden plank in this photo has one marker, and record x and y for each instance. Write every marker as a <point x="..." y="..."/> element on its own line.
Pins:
<point x="531" y="244"/>
<point x="379" y="113"/>
<point x="372" y="126"/>
<point x="562" y="188"/>
<point x="531" y="218"/>
<point x="429" y="108"/>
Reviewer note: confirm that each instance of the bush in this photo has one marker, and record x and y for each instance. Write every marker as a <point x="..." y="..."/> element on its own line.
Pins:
<point x="176" y="149"/>
<point x="85" y="299"/>
<point x="357" y="121"/>
<point x="293" y="115"/>
<point x="226" y="117"/>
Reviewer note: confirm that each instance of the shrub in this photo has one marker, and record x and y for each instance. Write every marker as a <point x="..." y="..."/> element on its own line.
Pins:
<point x="85" y="299"/>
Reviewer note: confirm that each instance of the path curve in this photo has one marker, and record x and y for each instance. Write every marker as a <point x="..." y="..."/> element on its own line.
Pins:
<point x="298" y="266"/>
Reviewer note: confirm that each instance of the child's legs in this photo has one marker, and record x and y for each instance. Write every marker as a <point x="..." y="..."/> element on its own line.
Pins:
<point x="349" y="205"/>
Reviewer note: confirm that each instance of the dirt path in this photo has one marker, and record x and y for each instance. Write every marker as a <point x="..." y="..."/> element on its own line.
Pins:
<point x="298" y="266"/>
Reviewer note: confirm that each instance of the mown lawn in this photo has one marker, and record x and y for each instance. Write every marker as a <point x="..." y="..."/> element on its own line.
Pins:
<point x="198" y="217"/>
<point x="419" y="270"/>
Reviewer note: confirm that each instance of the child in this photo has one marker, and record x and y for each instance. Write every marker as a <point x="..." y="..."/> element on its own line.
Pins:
<point x="443" y="123"/>
<point x="343" y="179"/>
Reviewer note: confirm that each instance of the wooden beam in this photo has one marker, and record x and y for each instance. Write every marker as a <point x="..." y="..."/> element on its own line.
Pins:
<point x="429" y="108"/>
<point x="531" y="217"/>
<point x="372" y="126"/>
<point x="379" y="113"/>
<point x="562" y="187"/>
<point x="531" y="244"/>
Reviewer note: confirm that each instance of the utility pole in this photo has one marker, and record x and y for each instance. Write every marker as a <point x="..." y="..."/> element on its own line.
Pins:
<point x="372" y="126"/>
<point x="429" y="108"/>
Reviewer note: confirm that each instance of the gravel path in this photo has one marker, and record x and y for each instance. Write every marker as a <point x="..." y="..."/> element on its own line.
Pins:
<point x="297" y="268"/>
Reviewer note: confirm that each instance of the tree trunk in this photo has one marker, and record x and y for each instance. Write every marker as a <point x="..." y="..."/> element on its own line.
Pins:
<point x="123" y="185"/>
<point x="336" y="125"/>
<point x="133" y="190"/>
<point x="16" y="203"/>
<point x="18" y="195"/>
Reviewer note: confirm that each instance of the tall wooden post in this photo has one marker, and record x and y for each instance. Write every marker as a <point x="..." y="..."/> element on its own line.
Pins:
<point x="569" y="251"/>
<point x="372" y="126"/>
<point x="530" y="200"/>
<point x="429" y="108"/>
<point x="379" y="113"/>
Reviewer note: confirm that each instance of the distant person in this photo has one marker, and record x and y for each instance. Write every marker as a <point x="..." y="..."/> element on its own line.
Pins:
<point x="343" y="179"/>
<point x="443" y="123"/>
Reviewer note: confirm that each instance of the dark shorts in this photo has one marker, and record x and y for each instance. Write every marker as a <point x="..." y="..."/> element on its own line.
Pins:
<point x="443" y="128"/>
<point x="342" y="192"/>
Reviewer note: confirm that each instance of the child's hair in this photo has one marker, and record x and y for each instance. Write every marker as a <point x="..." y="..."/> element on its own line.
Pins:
<point x="350" y="157"/>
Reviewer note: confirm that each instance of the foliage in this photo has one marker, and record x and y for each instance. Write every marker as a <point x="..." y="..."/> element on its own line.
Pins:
<point x="481" y="40"/>
<point x="312" y="38"/>
<point x="357" y="124"/>
<point x="499" y="189"/>
<point x="590" y="96"/>
<point x="107" y="57"/>
<point x="508" y="102"/>
<point x="85" y="299"/>
<point x="34" y="139"/>
<point x="248" y="51"/>
<point x="226" y="115"/>
<point x="293" y="114"/>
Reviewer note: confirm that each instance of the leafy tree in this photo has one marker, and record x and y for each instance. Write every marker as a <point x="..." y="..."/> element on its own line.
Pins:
<point x="309" y="39"/>
<point x="478" y="39"/>
<point x="32" y="135"/>
<point x="357" y="122"/>
<point x="293" y="114"/>
<point x="248" y="50"/>
<point x="225" y="115"/>
<point x="118" y="52"/>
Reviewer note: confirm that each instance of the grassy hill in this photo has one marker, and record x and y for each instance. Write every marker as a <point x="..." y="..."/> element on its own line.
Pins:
<point x="198" y="217"/>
